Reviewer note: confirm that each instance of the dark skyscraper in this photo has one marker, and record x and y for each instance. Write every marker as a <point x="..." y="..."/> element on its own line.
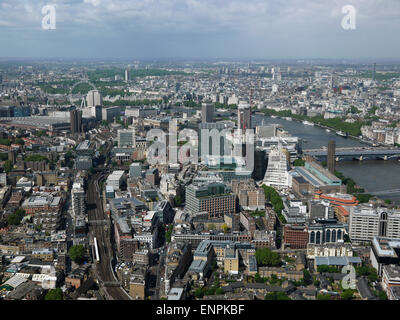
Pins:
<point x="331" y="156"/>
<point x="244" y="117"/>
<point x="374" y="73"/>
<point x="76" y="121"/>
<point x="207" y="113"/>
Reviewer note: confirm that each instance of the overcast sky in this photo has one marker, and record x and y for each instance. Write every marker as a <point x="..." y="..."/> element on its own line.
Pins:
<point x="141" y="29"/>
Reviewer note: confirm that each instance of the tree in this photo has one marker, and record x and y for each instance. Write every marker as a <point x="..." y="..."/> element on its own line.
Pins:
<point x="299" y="163"/>
<point x="219" y="291"/>
<point x="225" y="228"/>
<point x="77" y="253"/>
<point x="370" y="272"/>
<point x="306" y="277"/>
<point x="273" y="280"/>
<point x="168" y="234"/>
<point x="5" y="142"/>
<point x="8" y="166"/>
<point x="209" y="291"/>
<point x="16" y="217"/>
<point x="19" y="141"/>
<point x="273" y="196"/>
<point x="257" y="278"/>
<point x="36" y="158"/>
<point x="277" y="296"/>
<point x="347" y="294"/>
<point x="199" y="293"/>
<point x="354" y="110"/>
<point x="177" y="200"/>
<point x="258" y="213"/>
<point x="266" y="257"/>
<point x="40" y="133"/>
<point x="381" y="295"/>
<point x="321" y="296"/>
<point x="326" y="268"/>
<point x="54" y="294"/>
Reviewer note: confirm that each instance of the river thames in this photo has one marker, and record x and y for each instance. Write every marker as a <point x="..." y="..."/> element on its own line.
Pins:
<point x="372" y="175"/>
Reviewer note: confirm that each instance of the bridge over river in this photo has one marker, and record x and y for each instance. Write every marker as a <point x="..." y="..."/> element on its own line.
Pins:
<point x="356" y="153"/>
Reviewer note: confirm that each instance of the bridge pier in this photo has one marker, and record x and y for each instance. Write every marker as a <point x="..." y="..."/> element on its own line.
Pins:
<point x="385" y="158"/>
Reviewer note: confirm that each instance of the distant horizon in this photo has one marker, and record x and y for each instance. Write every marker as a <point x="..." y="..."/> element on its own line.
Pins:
<point x="205" y="59"/>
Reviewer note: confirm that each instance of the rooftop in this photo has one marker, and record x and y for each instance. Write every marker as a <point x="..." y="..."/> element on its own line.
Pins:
<point x="336" y="261"/>
<point x="175" y="294"/>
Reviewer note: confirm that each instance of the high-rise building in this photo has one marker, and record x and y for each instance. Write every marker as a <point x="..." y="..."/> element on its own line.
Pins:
<point x="207" y="113"/>
<point x="127" y="75"/>
<point x="374" y="73"/>
<point x="7" y="111"/>
<point x="116" y="178"/>
<point x="331" y="156"/>
<point x="244" y="116"/>
<point x="96" y="112"/>
<point x="260" y="164"/>
<point x="367" y="222"/>
<point x="213" y="198"/>
<point x="277" y="174"/>
<point x="78" y="198"/>
<point x="126" y="138"/>
<point x="110" y="113"/>
<point x="76" y="121"/>
<point x="250" y="197"/>
<point x="94" y="98"/>
<point x="22" y="111"/>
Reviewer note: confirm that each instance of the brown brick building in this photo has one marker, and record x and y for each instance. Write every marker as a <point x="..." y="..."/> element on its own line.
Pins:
<point x="295" y="237"/>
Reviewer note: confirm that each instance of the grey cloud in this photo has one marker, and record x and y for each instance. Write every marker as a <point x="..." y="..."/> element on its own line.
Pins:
<point x="210" y="27"/>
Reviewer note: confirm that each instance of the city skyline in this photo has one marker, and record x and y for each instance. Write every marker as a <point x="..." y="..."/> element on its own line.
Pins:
<point x="199" y="151"/>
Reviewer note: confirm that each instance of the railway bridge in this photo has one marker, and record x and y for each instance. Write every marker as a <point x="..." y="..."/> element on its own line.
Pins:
<point x="356" y="153"/>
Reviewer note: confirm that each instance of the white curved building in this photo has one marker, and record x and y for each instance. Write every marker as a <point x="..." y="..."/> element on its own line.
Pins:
<point x="277" y="174"/>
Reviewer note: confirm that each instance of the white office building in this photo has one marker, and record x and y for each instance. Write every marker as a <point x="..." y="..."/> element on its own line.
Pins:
<point x="3" y="179"/>
<point x="277" y="174"/>
<point x="367" y="222"/>
<point x="94" y="98"/>
<point x="127" y="75"/>
<point x="115" y="179"/>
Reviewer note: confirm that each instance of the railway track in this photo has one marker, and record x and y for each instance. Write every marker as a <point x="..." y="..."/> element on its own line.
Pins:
<point x="104" y="267"/>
